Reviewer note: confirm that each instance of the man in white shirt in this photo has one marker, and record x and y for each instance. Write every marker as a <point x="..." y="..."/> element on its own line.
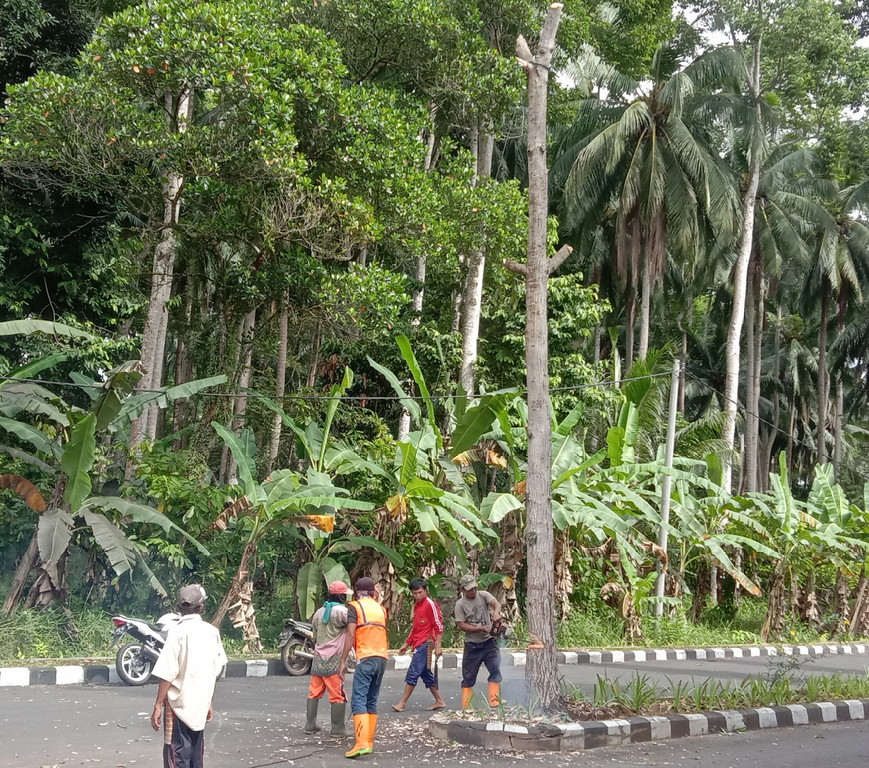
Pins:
<point x="188" y="668"/>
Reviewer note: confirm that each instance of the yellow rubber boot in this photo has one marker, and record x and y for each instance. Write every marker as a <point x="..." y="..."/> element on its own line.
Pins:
<point x="466" y="697"/>
<point x="372" y="727"/>
<point x="363" y="737"/>
<point x="494" y="694"/>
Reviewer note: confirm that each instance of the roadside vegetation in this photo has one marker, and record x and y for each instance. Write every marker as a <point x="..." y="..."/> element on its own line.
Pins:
<point x="257" y="327"/>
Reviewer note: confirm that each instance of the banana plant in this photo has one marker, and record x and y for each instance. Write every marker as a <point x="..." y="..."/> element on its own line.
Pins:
<point x="62" y="443"/>
<point x="305" y="499"/>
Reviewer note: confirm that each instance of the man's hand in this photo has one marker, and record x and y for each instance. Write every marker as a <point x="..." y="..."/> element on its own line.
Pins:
<point x="157" y="715"/>
<point x="402" y="650"/>
<point x="210" y="713"/>
<point x="342" y="669"/>
<point x="438" y="648"/>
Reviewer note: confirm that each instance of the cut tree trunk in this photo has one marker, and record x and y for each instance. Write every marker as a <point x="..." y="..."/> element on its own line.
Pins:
<point x="542" y="669"/>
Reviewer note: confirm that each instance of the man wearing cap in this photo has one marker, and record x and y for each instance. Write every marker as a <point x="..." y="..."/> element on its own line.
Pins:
<point x="330" y="630"/>
<point x="188" y="667"/>
<point x="424" y="641"/>
<point x="366" y="634"/>
<point x="475" y="612"/>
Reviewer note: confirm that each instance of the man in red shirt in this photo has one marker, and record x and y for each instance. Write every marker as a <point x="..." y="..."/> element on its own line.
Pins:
<point x="424" y="641"/>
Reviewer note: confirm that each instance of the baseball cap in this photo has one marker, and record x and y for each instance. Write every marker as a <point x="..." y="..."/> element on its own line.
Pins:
<point x="339" y="588"/>
<point x="365" y="584"/>
<point x="468" y="581"/>
<point x="192" y="595"/>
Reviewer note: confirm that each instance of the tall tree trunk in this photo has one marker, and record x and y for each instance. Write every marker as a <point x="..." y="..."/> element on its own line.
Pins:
<point x="646" y="290"/>
<point x="740" y="275"/>
<point x="823" y="378"/>
<point x="162" y="274"/>
<point x="244" y="379"/>
<point x="472" y="297"/>
<point x="314" y="364"/>
<point x="838" y="436"/>
<point x="630" y="321"/>
<point x="754" y="349"/>
<point x="183" y="408"/>
<point x="542" y="670"/>
<point x="280" y="387"/>
<point x="748" y="465"/>
<point x="839" y="402"/>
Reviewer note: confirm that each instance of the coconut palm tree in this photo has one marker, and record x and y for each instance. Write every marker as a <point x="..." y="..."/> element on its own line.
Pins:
<point x="643" y="155"/>
<point x="838" y="271"/>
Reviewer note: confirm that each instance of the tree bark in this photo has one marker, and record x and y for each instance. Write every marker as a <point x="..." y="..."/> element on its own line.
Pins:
<point x="22" y="572"/>
<point x="238" y="581"/>
<point x="646" y="289"/>
<point x="280" y="387"/>
<point x="244" y="379"/>
<point x="823" y="379"/>
<point x="163" y="272"/>
<point x="542" y="670"/>
<point x="754" y="347"/>
<point x="472" y="296"/>
<point x="740" y="276"/>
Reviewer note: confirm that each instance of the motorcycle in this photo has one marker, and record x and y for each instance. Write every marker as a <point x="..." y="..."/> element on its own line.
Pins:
<point x="135" y="660"/>
<point x="297" y="648"/>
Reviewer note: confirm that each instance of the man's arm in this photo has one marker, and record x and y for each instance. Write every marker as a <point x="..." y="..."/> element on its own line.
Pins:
<point x="157" y="714"/>
<point x="437" y="627"/>
<point x="349" y="641"/>
<point x="494" y="606"/>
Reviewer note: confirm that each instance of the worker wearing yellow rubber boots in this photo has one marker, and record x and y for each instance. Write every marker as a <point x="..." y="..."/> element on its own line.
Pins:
<point x="475" y="612"/>
<point x="366" y="634"/>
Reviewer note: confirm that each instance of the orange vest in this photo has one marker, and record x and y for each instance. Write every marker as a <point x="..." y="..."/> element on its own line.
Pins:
<point x="371" y="637"/>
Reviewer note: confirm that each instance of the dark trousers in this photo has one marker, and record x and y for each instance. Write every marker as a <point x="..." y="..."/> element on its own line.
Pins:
<point x="477" y="654"/>
<point x="366" y="685"/>
<point x="182" y="747"/>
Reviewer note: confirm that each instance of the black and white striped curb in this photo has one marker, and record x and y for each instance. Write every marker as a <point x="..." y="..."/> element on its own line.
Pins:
<point x="611" y="733"/>
<point x="77" y="674"/>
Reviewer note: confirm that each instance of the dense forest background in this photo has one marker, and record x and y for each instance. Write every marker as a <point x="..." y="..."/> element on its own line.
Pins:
<point x="259" y="330"/>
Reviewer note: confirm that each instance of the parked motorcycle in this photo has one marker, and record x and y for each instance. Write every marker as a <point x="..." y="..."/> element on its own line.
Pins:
<point x="297" y="648"/>
<point x="135" y="660"/>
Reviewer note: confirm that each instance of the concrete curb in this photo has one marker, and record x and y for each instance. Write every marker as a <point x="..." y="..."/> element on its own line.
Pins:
<point x="610" y="733"/>
<point x="77" y="674"/>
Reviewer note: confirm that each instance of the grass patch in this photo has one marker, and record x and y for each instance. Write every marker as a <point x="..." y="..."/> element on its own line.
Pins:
<point x="640" y="696"/>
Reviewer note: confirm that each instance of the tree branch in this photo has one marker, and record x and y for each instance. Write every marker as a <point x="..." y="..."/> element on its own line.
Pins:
<point x="523" y="52"/>
<point x="515" y="266"/>
<point x="560" y="257"/>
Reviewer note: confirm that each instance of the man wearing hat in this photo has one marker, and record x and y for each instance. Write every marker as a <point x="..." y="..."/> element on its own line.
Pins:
<point x="366" y="634"/>
<point x="475" y="612"/>
<point x="188" y="667"/>
<point x="330" y="630"/>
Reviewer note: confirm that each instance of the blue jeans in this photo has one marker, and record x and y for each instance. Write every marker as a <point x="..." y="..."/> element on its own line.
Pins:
<point x="477" y="654"/>
<point x="419" y="668"/>
<point x="366" y="685"/>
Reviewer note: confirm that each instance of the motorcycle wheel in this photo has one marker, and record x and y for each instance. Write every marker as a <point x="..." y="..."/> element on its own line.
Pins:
<point x="294" y="664"/>
<point x="133" y="667"/>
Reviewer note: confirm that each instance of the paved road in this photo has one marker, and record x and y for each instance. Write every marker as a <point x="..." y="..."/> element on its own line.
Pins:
<point x="258" y="723"/>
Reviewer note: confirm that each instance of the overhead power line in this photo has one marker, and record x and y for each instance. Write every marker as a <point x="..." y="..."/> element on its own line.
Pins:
<point x="604" y="383"/>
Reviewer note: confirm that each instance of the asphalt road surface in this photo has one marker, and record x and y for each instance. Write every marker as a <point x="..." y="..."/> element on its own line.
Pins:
<point x="258" y="723"/>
